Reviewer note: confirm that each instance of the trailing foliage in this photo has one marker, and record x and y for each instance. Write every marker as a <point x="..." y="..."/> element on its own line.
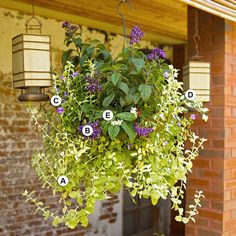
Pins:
<point x="142" y="147"/>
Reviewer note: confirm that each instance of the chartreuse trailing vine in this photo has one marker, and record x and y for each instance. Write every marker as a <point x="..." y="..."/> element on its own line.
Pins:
<point x="114" y="123"/>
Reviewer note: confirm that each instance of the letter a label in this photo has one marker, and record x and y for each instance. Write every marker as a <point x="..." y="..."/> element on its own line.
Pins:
<point x="62" y="180"/>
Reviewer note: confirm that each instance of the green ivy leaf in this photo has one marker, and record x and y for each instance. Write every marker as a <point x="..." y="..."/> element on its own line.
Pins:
<point x="107" y="100"/>
<point x="78" y="42"/>
<point x="115" y="78"/>
<point x="113" y="131"/>
<point x="137" y="97"/>
<point x="126" y="116"/>
<point x="146" y="91"/>
<point x="65" y="56"/>
<point x="129" y="129"/>
<point x="139" y="63"/>
<point x="123" y="86"/>
<point x="154" y="201"/>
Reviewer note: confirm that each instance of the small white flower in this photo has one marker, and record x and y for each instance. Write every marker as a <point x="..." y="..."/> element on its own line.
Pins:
<point x="133" y="110"/>
<point x="116" y="122"/>
<point x="171" y="67"/>
<point x="205" y="117"/>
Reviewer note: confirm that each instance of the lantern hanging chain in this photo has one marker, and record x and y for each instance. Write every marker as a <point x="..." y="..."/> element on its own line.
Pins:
<point x="123" y="17"/>
<point x="33" y="4"/>
<point x="196" y="34"/>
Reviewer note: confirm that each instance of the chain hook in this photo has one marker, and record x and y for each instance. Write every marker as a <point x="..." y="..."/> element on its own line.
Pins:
<point x="123" y="17"/>
<point x="30" y="26"/>
<point x="196" y="37"/>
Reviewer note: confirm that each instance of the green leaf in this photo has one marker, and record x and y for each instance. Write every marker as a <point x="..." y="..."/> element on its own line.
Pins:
<point x="124" y="87"/>
<point x="65" y="56"/>
<point x="139" y="63"/>
<point x="87" y="107"/>
<point x="178" y="218"/>
<point x="154" y="201"/>
<point x="115" y="78"/>
<point x="137" y="97"/>
<point x="129" y="98"/>
<point x="107" y="100"/>
<point x="129" y="129"/>
<point x="145" y="90"/>
<point x="122" y="101"/>
<point x="78" y="42"/>
<point x="113" y="131"/>
<point x="126" y="116"/>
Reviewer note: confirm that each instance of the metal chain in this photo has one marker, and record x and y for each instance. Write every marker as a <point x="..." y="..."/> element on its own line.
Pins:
<point x="196" y="34"/>
<point x="123" y="17"/>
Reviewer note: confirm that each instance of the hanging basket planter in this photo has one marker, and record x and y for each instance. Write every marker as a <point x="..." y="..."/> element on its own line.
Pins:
<point x="113" y="123"/>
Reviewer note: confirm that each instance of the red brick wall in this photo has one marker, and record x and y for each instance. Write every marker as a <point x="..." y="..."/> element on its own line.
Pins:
<point x="213" y="170"/>
<point x="229" y="224"/>
<point x="18" y="140"/>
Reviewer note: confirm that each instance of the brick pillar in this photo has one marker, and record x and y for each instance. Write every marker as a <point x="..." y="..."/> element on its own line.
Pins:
<point x="214" y="171"/>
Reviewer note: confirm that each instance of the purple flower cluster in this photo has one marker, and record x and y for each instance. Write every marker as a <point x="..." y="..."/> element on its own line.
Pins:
<point x="142" y="131"/>
<point x="156" y="53"/>
<point x="60" y="110"/>
<point x="97" y="130"/>
<point x="93" y="85"/>
<point x="135" y="35"/>
<point x="70" y="29"/>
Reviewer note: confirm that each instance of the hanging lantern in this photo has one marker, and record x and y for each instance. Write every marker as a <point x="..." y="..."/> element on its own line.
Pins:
<point x="196" y="73"/>
<point x="196" y="76"/>
<point x="31" y="62"/>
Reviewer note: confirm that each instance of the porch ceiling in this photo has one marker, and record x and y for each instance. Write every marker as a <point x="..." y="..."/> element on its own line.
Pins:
<point x="164" y="21"/>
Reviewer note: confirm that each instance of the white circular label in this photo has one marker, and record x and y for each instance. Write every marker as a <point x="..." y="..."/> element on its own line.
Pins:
<point x="107" y="115"/>
<point x="62" y="180"/>
<point x="190" y="94"/>
<point x="87" y="130"/>
<point x="56" y="100"/>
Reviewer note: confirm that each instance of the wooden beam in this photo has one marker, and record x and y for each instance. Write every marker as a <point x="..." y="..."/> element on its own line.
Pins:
<point x="210" y="7"/>
<point x="150" y="35"/>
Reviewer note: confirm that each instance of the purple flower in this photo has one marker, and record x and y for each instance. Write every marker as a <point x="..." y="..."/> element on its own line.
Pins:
<point x="57" y="90"/>
<point x="97" y="130"/>
<point x="156" y="53"/>
<point x="193" y="116"/>
<point x="65" y="94"/>
<point x="165" y="143"/>
<point x="166" y="74"/>
<point x="70" y="29"/>
<point x="65" y="24"/>
<point x="142" y="131"/>
<point x="62" y="77"/>
<point x="135" y="35"/>
<point x="60" y="110"/>
<point x="93" y="85"/>
<point x="75" y="74"/>
<point x="179" y="124"/>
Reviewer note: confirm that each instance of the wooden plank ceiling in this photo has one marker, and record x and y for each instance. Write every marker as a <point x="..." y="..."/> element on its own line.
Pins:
<point x="163" y="21"/>
<point x="222" y="8"/>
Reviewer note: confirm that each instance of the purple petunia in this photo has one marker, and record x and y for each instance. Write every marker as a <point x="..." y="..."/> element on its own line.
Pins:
<point x="97" y="130"/>
<point x="166" y="74"/>
<point x="142" y="131"/>
<point x="156" y="53"/>
<point x="75" y="74"/>
<point x="70" y="29"/>
<point x="135" y="35"/>
<point x="60" y="110"/>
<point x="93" y="85"/>
<point x="193" y="116"/>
